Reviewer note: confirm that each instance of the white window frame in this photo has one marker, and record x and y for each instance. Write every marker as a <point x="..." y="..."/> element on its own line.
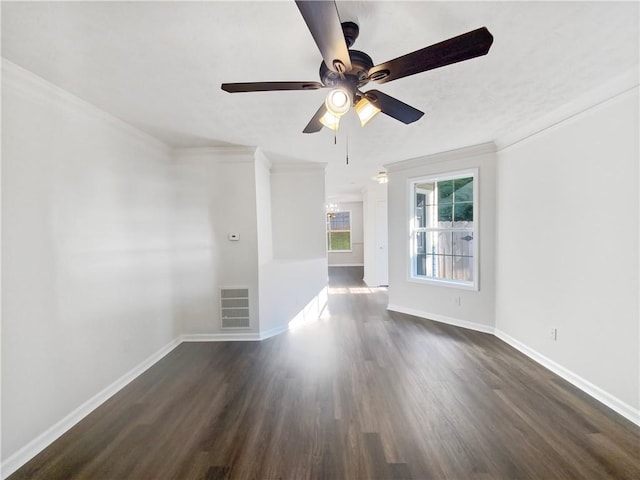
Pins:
<point x="412" y="229"/>
<point x="350" y="230"/>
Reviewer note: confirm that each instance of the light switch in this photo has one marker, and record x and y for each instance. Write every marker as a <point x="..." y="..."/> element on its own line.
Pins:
<point x="234" y="237"/>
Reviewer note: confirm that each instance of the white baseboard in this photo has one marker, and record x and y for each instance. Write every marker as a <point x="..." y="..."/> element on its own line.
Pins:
<point x="346" y="265"/>
<point x="45" y="439"/>
<point x="233" y="336"/>
<point x="479" y="327"/>
<point x="589" y="388"/>
<point x="221" y="337"/>
<point x="273" y="332"/>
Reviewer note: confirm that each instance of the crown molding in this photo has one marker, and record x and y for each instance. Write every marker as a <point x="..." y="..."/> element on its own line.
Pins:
<point x="262" y="157"/>
<point x="613" y="88"/>
<point x="456" y="154"/>
<point x="297" y="167"/>
<point x="227" y="154"/>
<point x="22" y="82"/>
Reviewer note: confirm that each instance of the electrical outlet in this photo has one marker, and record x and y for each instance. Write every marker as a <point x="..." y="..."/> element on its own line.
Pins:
<point x="553" y="333"/>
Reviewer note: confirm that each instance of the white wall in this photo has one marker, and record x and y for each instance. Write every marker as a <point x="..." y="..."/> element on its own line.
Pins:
<point x="215" y="196"/>
<point x="263" y="207"/>
<point x="371" y="196"/>
<point x="568" y="247"/>
<point x="86" y="273"/>
<point x="297" y="204"/>
<point x="476" y="308"/>
<point x="356" y="256"/>
<point x="292" y="285"/>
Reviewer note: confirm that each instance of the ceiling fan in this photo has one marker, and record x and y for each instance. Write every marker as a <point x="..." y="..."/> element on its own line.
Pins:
<point x="346" y="71"/>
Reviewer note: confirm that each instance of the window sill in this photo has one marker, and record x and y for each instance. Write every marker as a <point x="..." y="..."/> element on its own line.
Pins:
<point x="444" y="283"/>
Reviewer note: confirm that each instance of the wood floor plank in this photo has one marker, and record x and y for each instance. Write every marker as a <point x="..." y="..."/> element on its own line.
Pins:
<point x="363" y="394"/>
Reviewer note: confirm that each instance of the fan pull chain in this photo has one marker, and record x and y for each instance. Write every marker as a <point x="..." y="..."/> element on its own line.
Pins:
<point x="347" y="142"/>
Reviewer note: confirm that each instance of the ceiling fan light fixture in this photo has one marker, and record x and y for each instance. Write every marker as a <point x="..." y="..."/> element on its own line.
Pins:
<point x="338" y="101"/>
<point x="330" y="120"/>
<point x="366" y="111"/>
<point x="381" y="178"/>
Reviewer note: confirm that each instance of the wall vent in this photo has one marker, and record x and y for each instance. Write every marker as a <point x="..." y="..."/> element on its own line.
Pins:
<point x="234" y="307"/>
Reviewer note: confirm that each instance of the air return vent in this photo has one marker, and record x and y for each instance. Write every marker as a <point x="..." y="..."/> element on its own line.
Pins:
<point x="234" y="307"/>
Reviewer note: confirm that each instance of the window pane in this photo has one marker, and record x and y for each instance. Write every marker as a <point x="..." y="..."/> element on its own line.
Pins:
<point x="463" y="268"/>
<point x="463" y="243"/>
<point x="445" y="192"/>
<point x="445" y="246"/>
<point x="421" y="269"/>
<point x="421" y="242"/>
<point x="430" y="266"/>
<point x="445" y="215"/>
<point x="339" y="221"/>
<point x="339" y="241"/>
<point x="439" y="266"/>
<point x="427" y="193"/>
<point x="443" y="243"/>
<point x="420" y="211"/>
<point x="463" y="189"/>
<point x="463" y="212"/>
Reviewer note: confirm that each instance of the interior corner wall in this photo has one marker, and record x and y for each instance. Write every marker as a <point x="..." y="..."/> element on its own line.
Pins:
<point x="215" y="196"/>
<point x="476" y="309"/>
<point x="86" y="258"/>
<point x="356" y="256"/>
<point x="568" y="221"/>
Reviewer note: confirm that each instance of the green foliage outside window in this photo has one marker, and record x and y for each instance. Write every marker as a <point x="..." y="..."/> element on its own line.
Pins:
<point x="339" y="231"/>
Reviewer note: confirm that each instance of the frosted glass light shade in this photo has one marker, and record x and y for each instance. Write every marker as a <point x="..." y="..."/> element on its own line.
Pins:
<point x="330" y="120"/>
<point x="366" y="111"/>
<point x="338" y="101"/>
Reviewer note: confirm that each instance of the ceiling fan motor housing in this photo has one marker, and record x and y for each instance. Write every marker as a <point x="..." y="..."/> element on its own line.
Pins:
<point x="351" y="80"/>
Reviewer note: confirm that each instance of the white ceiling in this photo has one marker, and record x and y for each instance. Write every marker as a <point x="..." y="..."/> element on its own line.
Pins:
<point x="159" y="66"/>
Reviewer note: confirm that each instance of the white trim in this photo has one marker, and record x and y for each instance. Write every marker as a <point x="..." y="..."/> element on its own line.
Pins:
<point x="297" y="167"/>
<point x="478" y="327"/>
<point x="344" y="264"/>
<point x="411" y="267"/>
<point x="230" y="154"/>
<point x="221" y="337"/>
<point x="596" y="392"/>
<point x="603" y="93"/>
<point x="274" y="331"/>
<point x="46" y="438"/>
<point x="39" y="90"/>
<point x="457" y="154"/>
<point x="233" y="337"/>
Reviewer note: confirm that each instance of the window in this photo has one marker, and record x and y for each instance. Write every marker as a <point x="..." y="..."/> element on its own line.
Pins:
<point x="443" y="241"/>
<point x="339" y="232"/>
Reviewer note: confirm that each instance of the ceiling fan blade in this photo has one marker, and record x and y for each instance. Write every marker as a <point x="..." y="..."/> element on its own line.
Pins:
<point x="463" y="47"/>
<point x="314" y="124"/>
<point x="269" y="86"/>
<point x="393" y="107"/>
<point x="324" y="24"/>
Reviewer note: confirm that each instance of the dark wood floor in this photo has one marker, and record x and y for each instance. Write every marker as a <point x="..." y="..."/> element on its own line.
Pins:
<point x="361" y="394"/>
